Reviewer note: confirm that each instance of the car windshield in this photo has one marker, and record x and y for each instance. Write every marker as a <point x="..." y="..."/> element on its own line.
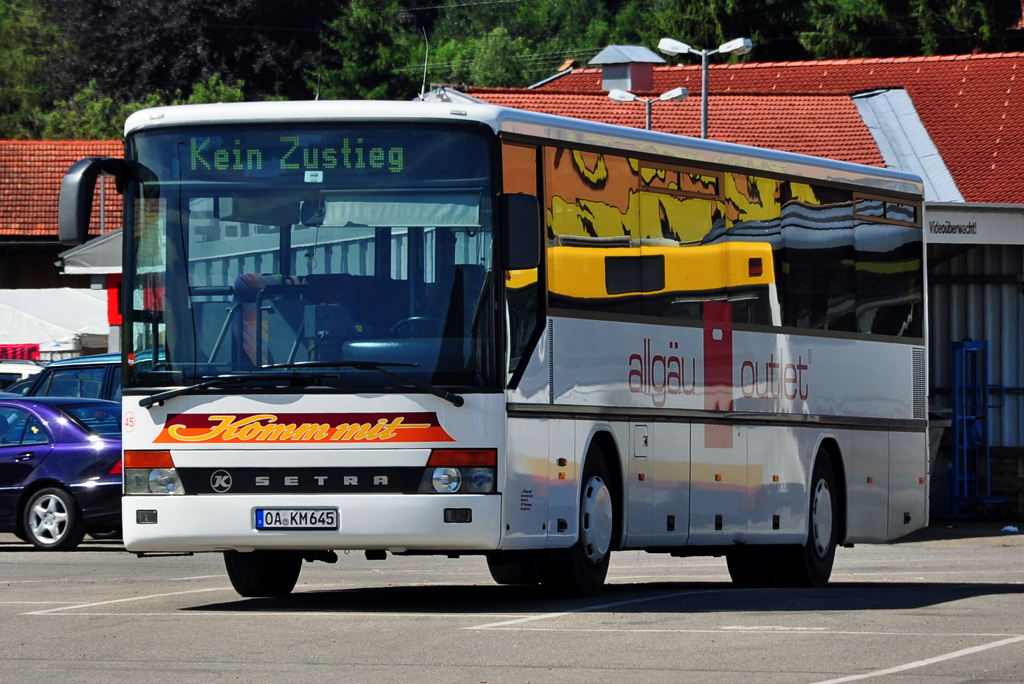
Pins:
<point x="261" y="246"/>
<point x="101" y="420"/>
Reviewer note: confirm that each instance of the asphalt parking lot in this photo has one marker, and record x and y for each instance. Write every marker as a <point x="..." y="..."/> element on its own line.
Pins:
<point x="947" y="605"/>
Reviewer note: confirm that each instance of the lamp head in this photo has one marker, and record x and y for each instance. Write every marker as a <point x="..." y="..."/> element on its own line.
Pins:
<point x="676" y="94"/>
<point x="621" y="96"/>
<point x="673" y="47"/>
<point x="739" y="46"/>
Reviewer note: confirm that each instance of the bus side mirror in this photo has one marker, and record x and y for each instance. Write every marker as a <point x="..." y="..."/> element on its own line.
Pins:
<point x="521" y="220"/>
<point x="76" y="191"/>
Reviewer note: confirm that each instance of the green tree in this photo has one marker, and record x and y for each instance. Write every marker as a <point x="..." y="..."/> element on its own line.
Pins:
<point x="132" y="48"/>
<point x="500" y="60"/>
<point x="890" y="28"/>
<point x="91" y="115"/>
<point x="24" y="39"/>
<point x="370" y="53"/>
<point x="212" y="90"/>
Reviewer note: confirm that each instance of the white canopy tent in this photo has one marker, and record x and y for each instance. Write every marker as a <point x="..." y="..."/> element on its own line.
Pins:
<point x="63" y="321"/>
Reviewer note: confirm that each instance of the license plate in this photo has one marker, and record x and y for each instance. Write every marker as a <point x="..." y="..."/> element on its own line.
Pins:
<point x="296" y="518"/>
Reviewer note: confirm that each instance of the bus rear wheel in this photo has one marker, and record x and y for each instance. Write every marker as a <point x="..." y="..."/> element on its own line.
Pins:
<point x="812" y="562"/>
<point x="580" y="570"/>
<point x="263" y="574"/>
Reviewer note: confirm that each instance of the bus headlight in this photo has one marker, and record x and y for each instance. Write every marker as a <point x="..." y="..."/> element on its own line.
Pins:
<point x="151" y="472"/>
<point x="467" y="471"/>
<point x="446" y="480"/>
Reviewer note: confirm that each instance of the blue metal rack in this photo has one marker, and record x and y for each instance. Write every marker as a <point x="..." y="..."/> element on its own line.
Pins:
<point x="969" y="461"/>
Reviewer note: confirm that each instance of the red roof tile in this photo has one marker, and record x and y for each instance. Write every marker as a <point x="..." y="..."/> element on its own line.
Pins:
<point x="970" y="104"/>
<point x="30" y="176"/>
<point x="823" y="126"/>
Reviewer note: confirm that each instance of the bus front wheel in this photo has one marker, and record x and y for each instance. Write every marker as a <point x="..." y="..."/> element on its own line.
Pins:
<point x="262" y="574"/>
<point x="580" y="570"/>
<point x="514" y="567"/>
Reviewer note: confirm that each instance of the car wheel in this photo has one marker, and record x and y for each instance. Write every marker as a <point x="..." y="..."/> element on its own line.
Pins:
<point x="51" y="520"/>
<point x="263" y="573"/>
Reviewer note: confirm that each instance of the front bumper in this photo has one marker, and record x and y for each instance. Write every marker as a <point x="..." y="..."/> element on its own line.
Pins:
<point x="367" y="521"/>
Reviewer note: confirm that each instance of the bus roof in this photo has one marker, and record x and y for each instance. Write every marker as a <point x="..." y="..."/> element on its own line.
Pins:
<point x="557" y="129"/>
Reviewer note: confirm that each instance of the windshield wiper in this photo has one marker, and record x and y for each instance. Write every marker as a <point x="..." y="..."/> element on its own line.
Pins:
<point x="161" y="397"/>
<point x="379" y="366"/>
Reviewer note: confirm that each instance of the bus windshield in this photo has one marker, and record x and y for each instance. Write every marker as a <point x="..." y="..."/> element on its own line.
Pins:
<point x="262" y="246"/>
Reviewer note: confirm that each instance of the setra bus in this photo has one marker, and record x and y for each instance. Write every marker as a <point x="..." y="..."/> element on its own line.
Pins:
<point x="463" y="329"/>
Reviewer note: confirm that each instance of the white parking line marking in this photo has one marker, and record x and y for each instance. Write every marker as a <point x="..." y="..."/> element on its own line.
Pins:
<point x="277" y="614"/>
<point x="184" y="579"/>
<point x="927" y="661"/>
<point x="37" y="603"/>
<point x="587" y="609"/>
<point x="125" y="600"/>
<point x="795" y="630"/>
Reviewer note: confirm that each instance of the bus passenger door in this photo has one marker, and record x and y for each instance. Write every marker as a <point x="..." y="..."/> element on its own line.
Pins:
<point x="639" y="488"/>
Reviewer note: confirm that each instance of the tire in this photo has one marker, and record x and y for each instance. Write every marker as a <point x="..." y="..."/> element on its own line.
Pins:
<point x="812" y="562"/>
<point x="514" y="567"/>
<point x="263" y="574"/>
<point x="753" y="567"/>
<point x="104" y="535"/>
<point x="51" y="520"/>
<point x="580" y="570"/>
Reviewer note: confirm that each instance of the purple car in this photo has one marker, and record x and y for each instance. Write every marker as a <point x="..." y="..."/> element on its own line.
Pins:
<point x="60" y="469"/>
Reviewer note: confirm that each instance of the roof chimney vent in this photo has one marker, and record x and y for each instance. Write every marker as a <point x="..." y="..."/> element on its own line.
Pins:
<point x="627" y="67"/>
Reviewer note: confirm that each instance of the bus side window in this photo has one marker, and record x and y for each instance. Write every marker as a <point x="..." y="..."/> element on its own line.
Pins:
<point x="522" y="288"/>
<point x="890" y="276"/>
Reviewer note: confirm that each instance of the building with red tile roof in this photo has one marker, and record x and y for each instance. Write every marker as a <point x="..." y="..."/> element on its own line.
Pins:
<point x="30" y="178"/>
<point x="970" y="105"/>
<point x="823" y="126"/>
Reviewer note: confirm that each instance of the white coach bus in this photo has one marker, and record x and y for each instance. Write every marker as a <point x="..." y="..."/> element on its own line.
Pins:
<point x="463" y="329"/>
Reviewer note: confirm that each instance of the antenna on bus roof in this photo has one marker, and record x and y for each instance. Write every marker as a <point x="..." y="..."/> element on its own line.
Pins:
<point x="423" y="88"/>
<point x="319" y="61"/>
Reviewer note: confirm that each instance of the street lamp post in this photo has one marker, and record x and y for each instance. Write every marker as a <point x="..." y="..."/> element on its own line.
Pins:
<point x="676" y="94"/>
<point x="739" y="46"/>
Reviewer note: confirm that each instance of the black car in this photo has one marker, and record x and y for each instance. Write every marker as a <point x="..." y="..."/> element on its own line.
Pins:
<point x="60" y="469"/>
<point x="95" y="377"/>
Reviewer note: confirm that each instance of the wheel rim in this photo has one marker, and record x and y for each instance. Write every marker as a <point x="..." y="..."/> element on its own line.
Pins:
<point x="595" y="519"/>
<point x="821" y="519"/>
<point x="48" y="519"/>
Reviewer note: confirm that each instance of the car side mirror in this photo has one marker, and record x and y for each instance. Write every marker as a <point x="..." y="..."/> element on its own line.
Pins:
<point x="76" y="192"/>
<point x="520" y="216"/>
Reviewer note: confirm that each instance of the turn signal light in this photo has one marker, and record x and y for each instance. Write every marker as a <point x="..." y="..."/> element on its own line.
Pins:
<point x="755" y="267"/>
<point x="481" y="458"/>
<point x="116" y="469"/>
<point x="148" y="459"/>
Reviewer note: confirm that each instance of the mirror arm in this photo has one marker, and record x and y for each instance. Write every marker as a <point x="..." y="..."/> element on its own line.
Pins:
<point x="76" y="195"/>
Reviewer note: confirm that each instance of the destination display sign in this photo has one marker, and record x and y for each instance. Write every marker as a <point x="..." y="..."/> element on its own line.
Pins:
<point x="385" y="155"/>
<point x="289" y="153"/>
